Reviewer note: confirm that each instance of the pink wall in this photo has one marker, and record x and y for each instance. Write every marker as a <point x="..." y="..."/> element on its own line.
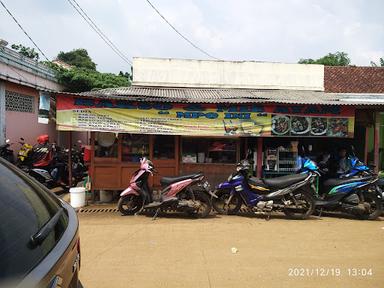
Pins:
<point x="21" y="124"/>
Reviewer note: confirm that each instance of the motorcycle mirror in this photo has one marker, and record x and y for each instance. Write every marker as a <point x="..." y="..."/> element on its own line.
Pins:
<point x="21" y="138"/>
<point x="7" y="141"/>
<point x="353" y="150"/>
<point x="79" y="141"/>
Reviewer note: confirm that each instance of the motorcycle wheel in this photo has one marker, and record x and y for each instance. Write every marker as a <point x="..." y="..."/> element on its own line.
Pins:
<point x="376" y="206"/>
<point x="130" y="204"/>
<point x="305" y="200"/>
<point x="221" y="206"/>
<point x="205" y="205"/>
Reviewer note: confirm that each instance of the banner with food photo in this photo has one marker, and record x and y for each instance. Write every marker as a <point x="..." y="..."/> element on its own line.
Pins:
<point x="165" y="118"/>
<point x="292" y="125"/>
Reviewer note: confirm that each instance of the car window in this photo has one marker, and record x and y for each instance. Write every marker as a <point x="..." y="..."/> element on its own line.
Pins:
<point x="24" y="209"/>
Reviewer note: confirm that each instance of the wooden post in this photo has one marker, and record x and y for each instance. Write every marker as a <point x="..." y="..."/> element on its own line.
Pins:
<point x="259" y="163"/>
<point x="245" y="145"/>
<point x="376" y="154"/>
<point x="366" y="145"/>
<point x="238" y="147"/>
<point x="91" y="170"/>
<point x="177" y="155"/>
<point x="70" y="160"/>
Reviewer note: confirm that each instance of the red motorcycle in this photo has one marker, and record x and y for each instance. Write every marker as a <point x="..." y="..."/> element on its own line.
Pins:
<point x="189" y="193"/>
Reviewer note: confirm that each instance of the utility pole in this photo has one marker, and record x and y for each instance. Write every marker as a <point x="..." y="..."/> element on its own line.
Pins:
<point x="2" y="112"/>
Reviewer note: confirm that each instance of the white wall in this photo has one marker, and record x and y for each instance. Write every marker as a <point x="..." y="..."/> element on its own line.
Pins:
<point x="226" y="74"/>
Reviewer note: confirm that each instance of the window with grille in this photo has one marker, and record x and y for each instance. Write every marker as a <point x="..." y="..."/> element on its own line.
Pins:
<point x="18" y="102"/>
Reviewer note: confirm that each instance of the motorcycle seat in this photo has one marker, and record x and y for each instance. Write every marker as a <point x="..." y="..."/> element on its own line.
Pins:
<point x="164" y="181"/>
<point x="284" y="181"/>
<point x="256" y="181"/>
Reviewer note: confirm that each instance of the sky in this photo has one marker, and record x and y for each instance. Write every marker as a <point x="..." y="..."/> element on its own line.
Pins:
<point x="260" y="30"/>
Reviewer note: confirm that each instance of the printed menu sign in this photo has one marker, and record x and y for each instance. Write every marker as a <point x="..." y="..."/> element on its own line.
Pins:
<point x="89" y="114"/>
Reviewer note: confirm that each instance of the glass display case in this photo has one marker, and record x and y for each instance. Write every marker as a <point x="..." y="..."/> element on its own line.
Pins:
<point x="209" y="150"/>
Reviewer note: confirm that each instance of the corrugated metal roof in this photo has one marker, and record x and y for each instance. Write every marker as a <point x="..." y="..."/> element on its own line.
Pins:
<point x="197" y="95"/>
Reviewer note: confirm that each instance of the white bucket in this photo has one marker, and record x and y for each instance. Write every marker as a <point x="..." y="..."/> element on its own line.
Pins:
<point x="77" y="197"/>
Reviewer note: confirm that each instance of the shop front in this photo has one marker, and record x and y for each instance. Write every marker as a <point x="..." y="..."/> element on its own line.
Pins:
<point x="184" y="137"/>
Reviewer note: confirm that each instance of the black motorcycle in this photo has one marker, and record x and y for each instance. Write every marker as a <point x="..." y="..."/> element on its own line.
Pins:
<point x="79" y="169"/>
<point x="6" y="152"/>
<point x="356" y="192"/>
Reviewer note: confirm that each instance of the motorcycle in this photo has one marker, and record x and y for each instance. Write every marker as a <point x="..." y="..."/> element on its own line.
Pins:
<point x="291" y="194"/>
<point x="46" y="174"/>
<point x="381" y="181"/>
<point x="189" y="193"/>
<point x="357" y="167"/>
<point x="6" y="152"/>
<point x="79" y="169"/>
<point x="356" y="192"/>
<point x="24" y="153"/>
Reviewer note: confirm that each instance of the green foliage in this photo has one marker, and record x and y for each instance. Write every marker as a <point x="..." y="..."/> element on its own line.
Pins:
<point x="78" y="58"/>
<point x="332" y="59"/>
<point x="80" y="79"/>
<point x="126" y="75"/>
<point x="381" y="63"/>
<point x="84" y="76"/>
<point x="26" y="51"/>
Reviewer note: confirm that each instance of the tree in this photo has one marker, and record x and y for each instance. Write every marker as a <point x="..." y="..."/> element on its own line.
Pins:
<point x="26" y="51"/>
<point x="381" y="63"/>
<point x="126" y="75"/>
<point x="80" y="79"/>
<point x="84" y="76"/>
<point x="78" y="58"/>
<point x="332" y="59"/>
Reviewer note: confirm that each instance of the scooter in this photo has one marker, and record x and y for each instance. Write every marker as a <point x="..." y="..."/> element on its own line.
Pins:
<point x="47" y="173"/>
<point x="6" y="152"/>
<point x="357" y="192"/>
<point x="189" y="193"/>
<point x="291" y="194"/>
<point x="357" y="167"/>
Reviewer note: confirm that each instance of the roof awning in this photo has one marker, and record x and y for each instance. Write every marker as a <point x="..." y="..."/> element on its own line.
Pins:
<point x="231" y="96"/>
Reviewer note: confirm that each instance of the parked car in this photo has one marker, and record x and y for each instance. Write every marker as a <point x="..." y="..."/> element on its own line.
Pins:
<point x="39" y="234"/>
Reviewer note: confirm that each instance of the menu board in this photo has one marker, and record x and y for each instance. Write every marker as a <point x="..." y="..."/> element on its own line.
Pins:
<point x="267" y="120"/>
<point x="292" y="125"/>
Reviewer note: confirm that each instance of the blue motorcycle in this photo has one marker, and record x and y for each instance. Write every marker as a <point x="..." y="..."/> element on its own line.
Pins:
<point x="357" y="167"/>
<point x="356" y="192"/>
<point x="291" y="194"/>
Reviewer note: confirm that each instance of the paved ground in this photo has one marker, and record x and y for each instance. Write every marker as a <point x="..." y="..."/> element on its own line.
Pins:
<point x="135" y="251"/>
